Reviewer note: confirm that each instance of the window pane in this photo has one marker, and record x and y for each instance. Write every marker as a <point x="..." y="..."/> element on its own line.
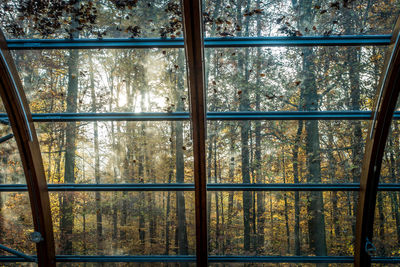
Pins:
<point x="293" y="79"/>
<point x="118" y="152"/>
<point x="296" y="18"/>
<point x="16" y="223"/>
<point x="123" y="223"/>
<point x="391" y="160"/>
<point x="281" y="223"/>
<point x="322" y="151"/>
<point x="107" y="80"/>
<point x="11" y="169"/>
<point x="91" y="19"/>
<point x="387" y="224"/>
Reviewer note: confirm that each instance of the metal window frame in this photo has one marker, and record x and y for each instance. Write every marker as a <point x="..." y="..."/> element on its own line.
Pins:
<point x="22" y="123"/>
<point x="212" y="259"/>
<point x="210" y="116"/>
<point x="210" y="42"/>
<point x="279" y="187"/>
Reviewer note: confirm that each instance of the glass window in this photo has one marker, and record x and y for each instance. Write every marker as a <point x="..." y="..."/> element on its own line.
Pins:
<point x="91" y="19"/>
<point x="297" y="18"/>
<point x="387" y="224"/>
<point x="281" y="223"/>
<point x="16" y="223"/>
<point x="123" y="223"/>
<point x="108" y="80"/>
<point x="293" y="79"/>
<point x="117" y="152"/>
<point x="279" y="151"/>
<point x="288" y="115"/>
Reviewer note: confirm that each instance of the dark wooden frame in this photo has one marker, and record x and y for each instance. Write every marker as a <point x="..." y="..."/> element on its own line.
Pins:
<point x="21" y="122"/>
<point x="376" y="141"/>
<point x="194" y="49"/>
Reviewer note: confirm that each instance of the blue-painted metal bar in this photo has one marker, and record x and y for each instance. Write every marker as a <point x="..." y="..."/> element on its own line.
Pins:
<point x="6" y="138"/>
<point x="153" y="258"/>
<point x="334" y="40"/>
<point x="190" y="187"/>
<point x="290" y="115"/>
<point x="178" y="116"/>
<point x="283" y="187"/>
<point x="14" y="44"/>
<point x="65" y="117"/>
<point x="387" y="260"/>
<point x="215" y="42"/>
<point x="282" y="259"/>
<point x="18" y="254"/>
<point x="214" y="259"/>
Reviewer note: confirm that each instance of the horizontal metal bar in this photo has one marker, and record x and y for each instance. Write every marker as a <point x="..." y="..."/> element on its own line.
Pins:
<point x="65" y="117"/>
<point x="283" y="187"/>
<point x="14" y="44"/>
<point x="102" y="187"/>
<point x="291" y="115"/>
<point x="176" y="116"/>
<point x="282" y="259"/>
<point x="215" y="42"/>
<point x="334" y="40"/>
<point x="388" y="260"/>
<point x="18" y="254"/>
<point x="155" y="258"/>
<point x="214" y="259"/>
<point x="6" y="138"/>
<point x="190" y="187"/>
<point x="388" y="187"/>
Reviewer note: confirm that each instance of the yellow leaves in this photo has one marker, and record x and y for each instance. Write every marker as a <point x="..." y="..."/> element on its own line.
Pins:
<point x="376" y="57"/>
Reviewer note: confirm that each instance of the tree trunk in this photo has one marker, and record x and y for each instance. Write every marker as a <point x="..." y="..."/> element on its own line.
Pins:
<point x="180" y="169"/>
<point x="232" y="135"/>
<point x="99" y="213"/>
<point x="244" y="130"/>
<point x="315" y="208"/>
<point x="67" y="216"/>
<point x="297" y="244"/>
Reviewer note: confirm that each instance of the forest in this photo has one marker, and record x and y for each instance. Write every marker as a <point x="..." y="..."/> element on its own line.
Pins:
<point x="258" y="79"/>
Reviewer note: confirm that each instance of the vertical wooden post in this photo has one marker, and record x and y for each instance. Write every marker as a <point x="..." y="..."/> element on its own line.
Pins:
<point x="194" y="48"/>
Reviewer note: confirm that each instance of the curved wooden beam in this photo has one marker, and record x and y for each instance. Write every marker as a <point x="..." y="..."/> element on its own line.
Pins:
<point x="24" y="131"/>
<point x="375" y="146"/>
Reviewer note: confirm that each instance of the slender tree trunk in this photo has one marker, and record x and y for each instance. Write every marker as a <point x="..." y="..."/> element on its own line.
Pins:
<point x="67" y="216"/>
<point x="244" y="131"/>
<point x="285" y="199"/>
<point x="232" y="135"/>
<point x="4" y="160"/>
<point x="315" y="208"/>
<point x="180" y="170"/>
<point x="393" y="196"/>
<point x="141" y="167"/>
<point x="99" y="213"/>
<point x="210" y="138"/>
<point x="168" y="210"/>
<point x="297" y="244"/>
<point x="381" y="224"/>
